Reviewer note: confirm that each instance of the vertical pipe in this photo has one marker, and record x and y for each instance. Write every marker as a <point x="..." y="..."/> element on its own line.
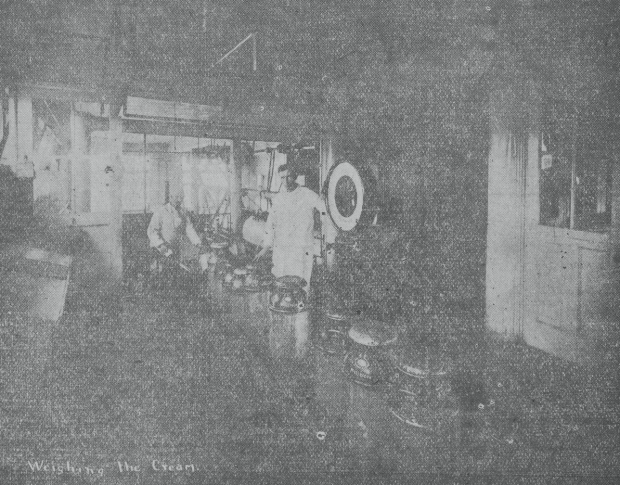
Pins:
<point x="204" y="35"/>
<point x="254" y="52"/>
<point x="204" y="19"/>
<point x="573" y="170"/>
<point x="145" y="174"/>
<point x="16" y="114"/>
<point x="81" y="170"/>
<point x="72" y="164"/>
<point x="522" y="160"/>
<point x="234" y="170"/>
<point x="321" y="162"/>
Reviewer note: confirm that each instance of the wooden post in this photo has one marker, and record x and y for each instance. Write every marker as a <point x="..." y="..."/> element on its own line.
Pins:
<point x="506" y="215"/>
<point x="15" y="132"/>
<point x="328" y="229"/>
<point x="573" y="172"/>
<point x="116" y="191"/>
<point x="24" y="127"/>
<point x="145" y="180"/>
<point x="234" y="171"/>
<point x="80" y="175"/>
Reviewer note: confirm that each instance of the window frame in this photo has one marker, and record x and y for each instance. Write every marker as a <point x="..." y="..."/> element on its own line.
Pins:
<point x="571" y="129"/>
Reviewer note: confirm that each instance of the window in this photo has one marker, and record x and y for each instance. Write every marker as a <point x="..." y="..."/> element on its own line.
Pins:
<point x="156" y="164"/>
<point x="575" y="168"/>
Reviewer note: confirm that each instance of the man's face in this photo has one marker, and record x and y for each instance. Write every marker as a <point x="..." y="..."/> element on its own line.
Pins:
<point x="177" y="202"/>
<point x="288" y="179"/>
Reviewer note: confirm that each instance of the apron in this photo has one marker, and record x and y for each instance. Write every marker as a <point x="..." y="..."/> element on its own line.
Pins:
<point x="292" y="222"/>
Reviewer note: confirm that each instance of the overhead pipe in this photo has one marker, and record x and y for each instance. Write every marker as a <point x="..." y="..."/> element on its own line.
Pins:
<point x="225" y="56"/>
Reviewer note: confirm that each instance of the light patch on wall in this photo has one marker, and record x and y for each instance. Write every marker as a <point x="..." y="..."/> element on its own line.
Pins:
<point x="546" y="161"/>
<point x="153" y="108"/>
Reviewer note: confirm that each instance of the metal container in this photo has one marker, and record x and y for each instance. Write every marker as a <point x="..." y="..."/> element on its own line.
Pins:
<point x="253" y="230"/>
<point x="257" y="279"/>
<point x="423" y="374"/>
<point x="289" y="335"/>
<point x="367" y="362"/>
<point x="238" y="280"/>
<point x="422" y="396"/>
<point x="227" y="274"/>
<point x="288" y="295"/>
<point x="251" y="277"/>
<point x="332" y="336"/>
<point x="217" y="255"/>
<point x="203" y="261"/>
<point x="218" y="291"/>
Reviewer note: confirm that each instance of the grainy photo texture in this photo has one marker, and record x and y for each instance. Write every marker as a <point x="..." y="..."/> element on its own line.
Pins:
<point x="309" y="242"/>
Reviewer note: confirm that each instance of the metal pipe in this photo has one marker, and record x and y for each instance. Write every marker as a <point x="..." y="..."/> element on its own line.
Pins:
<point x="234" y="171"/>
<point x="254" y="52"/>
<point x="233" y="49"/>
<point x="144" y="148"/>
<point x="573" y="170"/>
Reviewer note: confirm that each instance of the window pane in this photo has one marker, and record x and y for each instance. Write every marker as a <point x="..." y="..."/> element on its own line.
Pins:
<point x="556" y="149"/>
<point x="133" y="182"/>
<point x="51" y="155"/>
<point x="592" y="176"/>
<point x="575" y="168"/>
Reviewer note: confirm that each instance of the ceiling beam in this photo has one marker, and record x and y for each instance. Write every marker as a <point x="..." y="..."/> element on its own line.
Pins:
<point x="210" y="130"/>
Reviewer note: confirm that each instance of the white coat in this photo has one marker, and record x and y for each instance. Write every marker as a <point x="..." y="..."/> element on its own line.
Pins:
<point x="166" y="228"/>
<point x="289" y="232"/>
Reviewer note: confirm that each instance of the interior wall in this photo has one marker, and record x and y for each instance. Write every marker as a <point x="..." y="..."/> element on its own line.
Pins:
<point x="443" y="196"/>
<point x="404" y="181"/>
<point x="454" y="204"/>
<point x="444" y="204"/>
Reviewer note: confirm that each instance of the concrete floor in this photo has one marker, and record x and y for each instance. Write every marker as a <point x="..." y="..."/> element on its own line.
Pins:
<point x="171" y="392"/>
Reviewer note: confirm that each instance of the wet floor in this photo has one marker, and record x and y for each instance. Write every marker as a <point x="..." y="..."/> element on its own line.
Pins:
<point x="178" y="390"/>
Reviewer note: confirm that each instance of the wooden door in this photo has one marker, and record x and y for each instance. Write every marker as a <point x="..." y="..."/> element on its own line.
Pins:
<point x="569" y="269"/>
<point x="551" y="275"/>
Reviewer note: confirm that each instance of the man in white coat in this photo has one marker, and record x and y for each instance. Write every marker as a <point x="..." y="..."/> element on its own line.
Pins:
<point x="290" y="228"/>
<point x="165" y="231"/>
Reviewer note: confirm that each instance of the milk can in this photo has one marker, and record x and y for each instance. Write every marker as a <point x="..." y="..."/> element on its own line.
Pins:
<point x="332" y="336"/>
<point x="217" y="254"/>
<point x="367" y="362"/>
<point x="238" y="279"/>
<point x="289" y="319"/>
